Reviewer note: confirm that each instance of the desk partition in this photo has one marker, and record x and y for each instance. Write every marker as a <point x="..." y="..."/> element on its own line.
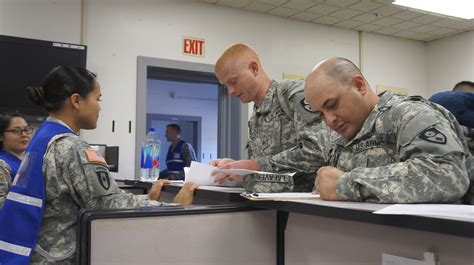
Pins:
<point x="207" y="235"/>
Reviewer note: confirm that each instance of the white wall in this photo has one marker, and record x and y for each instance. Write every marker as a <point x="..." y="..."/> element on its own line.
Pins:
<point x="116" y="32"/>
<point x="58" y="20"/>
<point x="449" y="61"/>
<point x="190" y="99"/>
<point x="394" y="62"/>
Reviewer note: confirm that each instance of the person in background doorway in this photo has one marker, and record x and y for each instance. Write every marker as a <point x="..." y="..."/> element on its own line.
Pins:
<point x="180" y="154"/>
<point x="61" y="174"/>
<point x="15" y="134"/>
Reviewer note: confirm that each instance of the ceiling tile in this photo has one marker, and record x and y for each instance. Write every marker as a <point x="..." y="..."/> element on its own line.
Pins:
<point x="283" y="11"/>
<point x="424" y="28"/>
<point x="368" y="27"/>
<point x="342" y="3"/>
<point x="408" y="14"/>
<point x="233" y="3"/>
<point x="387" y="31"/>
<point x="323" y="9"/>
<point x="446" y="22"/>
<point x="386" y="21"/>
<point x="427" y="19"/>
<point x="406" y="34"/>
<point x="306" y="16"/>
<point x="348" y="24"/>
<point x="273" y="2"/>
<point x="345" y="13"/>
<point x="299" y="4"/>
<point x="423" y="37"/>
<point x="365" y="6"/>
<point x="406" y="25"/>
<point x="443" y="31"/>
<point x="387" y="2"/>
<point x="465" y="25"/>
<point x="259" y="7"/>
<point x="386" y="11"/>
<point x="366" y="17"/>
<point x="327" y="20"/>
<point x="414" y="35"/>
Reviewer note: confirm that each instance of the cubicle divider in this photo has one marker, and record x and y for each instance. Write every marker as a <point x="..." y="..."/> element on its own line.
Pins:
<point x="217" y="234"/>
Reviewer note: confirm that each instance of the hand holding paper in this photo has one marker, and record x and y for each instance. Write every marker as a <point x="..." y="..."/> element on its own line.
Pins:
<point x="223" y="176"/>
<point x="201" y="174"/>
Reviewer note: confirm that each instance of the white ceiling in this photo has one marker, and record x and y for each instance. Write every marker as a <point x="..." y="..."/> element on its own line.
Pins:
<point x="378" y="16"/>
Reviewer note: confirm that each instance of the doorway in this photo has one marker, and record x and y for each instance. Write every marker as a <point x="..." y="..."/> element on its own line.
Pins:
<point x="192" y="85"/>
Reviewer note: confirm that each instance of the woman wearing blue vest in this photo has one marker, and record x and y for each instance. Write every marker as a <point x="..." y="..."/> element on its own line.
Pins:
<point x="62" y="174"/>
<point x="15" y="134"/>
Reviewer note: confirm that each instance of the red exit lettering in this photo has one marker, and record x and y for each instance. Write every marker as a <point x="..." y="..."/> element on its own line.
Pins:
<point x="193" y="46"/>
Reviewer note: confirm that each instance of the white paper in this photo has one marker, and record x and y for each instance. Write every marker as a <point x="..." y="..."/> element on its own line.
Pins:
<point x="447" y="211"/>
<point x="284" y="195"/>
<point x="201" y="174"/>
<point x="171" y="181"/>
<point x="243" y="172"/>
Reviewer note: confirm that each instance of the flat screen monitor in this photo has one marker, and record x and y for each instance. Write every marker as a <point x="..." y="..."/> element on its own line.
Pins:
<point x="25" y="62"/>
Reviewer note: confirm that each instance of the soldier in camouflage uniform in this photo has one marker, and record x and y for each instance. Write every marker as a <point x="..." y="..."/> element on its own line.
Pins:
<point x="75" y="176"/>
<point x="285" y="136"/>
<point x="392" y="149"/>
<point x="5" y="180"/>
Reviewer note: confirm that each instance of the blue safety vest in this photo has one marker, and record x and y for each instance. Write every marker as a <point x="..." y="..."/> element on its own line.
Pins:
<point x="13" y="161"/>
<point x="174" y="159"/>
<point x="20" y="217"/>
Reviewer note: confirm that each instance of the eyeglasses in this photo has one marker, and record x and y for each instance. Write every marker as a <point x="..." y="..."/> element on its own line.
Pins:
<point x="19" y="131"/>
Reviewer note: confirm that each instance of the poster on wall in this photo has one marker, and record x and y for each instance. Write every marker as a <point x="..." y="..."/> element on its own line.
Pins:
<point x="293" y="76"/>
<point x="395" y="90"/>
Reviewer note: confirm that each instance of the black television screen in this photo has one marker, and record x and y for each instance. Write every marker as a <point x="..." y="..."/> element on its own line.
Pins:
<point x="25" y="62"/>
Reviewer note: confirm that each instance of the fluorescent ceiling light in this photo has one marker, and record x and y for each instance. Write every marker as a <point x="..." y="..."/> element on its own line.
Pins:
<point x="455" y="8"/>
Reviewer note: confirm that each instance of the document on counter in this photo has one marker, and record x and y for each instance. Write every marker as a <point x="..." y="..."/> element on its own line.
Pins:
<point x="200" y="174"/>
<point x="447" y="211"/>
<point x="282" y="196"/>
<point x="243" y="172"/>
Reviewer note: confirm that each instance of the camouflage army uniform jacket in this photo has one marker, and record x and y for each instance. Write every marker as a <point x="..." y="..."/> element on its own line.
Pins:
<point x="285" y="136"/>
<point x="407" y="151"/>
<point x="74" y="179"/>
<point x="5" y="180"/>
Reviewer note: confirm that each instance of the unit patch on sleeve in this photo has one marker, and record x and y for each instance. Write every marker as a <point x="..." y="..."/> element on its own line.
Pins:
<point x="306" y="105"/>
<point x="433" y="135"/>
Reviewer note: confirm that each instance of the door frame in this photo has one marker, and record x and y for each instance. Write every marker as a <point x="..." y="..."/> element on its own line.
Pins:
<point x="232" y="115"/>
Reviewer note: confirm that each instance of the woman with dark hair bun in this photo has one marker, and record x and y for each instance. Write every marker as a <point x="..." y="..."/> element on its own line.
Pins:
<point x="62" y="174"/>
<point x="15" y="134"/>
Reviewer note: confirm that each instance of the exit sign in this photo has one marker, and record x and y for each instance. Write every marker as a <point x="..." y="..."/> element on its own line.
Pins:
<point x="193" y="46"/>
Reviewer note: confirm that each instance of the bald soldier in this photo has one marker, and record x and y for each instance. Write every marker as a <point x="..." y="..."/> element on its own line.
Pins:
<point x="392" y="149"/>
<point x="283" y="132"/>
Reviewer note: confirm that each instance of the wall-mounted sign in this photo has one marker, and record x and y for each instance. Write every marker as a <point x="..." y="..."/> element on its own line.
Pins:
<point x="396" y="90"/>
<point x="193" y="46"/>
<point x="293" y="76"/>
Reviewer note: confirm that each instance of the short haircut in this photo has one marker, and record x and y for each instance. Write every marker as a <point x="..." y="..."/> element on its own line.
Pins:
<point x="238" y="49"/>
<point x="464" y="86"/>
<point x="175" y="127"/>
<point x="342" y="71"/>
